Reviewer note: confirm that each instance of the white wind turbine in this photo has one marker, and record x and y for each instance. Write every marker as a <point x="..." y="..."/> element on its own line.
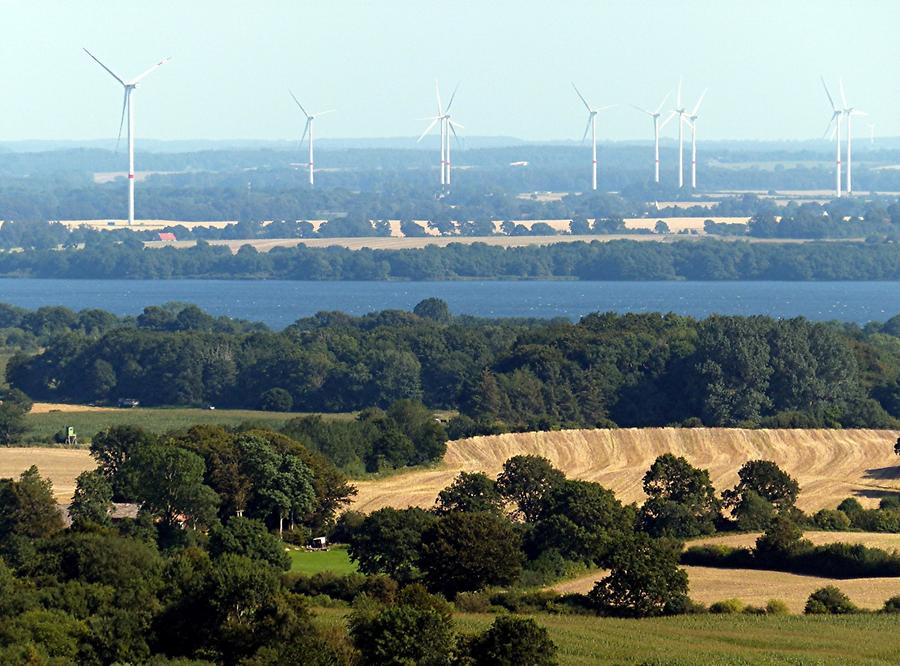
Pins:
<point x="871" y="134"/>
<point x="681" y="111"/>
<point x="128" y="104"/>
<point x="657" y="126"/>
<point x="308" y="129"/>
<point x="849" y="112"/>
<point x="592" y="127"/>
<point x="447" y="126"/>
<point x="692" y="120"/>
<point x="836" y="121"/>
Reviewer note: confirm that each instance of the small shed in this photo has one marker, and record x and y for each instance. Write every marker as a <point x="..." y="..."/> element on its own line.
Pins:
<point x="318" y="543"/>
<point x="166" y="236"/>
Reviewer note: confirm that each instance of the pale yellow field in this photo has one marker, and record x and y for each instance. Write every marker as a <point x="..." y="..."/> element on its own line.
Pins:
<point x="882" y="540"/>
<point x="61" y="466"/>
<point x="141" y="225"/>
<point x="829" y="464"/>
<point x="677" y="224"/>
<point x="47" y="407"/>
<point x="751" y="586"/>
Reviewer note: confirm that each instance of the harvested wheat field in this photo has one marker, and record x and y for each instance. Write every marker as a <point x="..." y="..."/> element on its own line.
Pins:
<point x="755" y="587"/>
<point x="61" y="466"/>
<point x="48" y="407"/>
<point x="829" y="464"/>
<point x="883" y="540"/>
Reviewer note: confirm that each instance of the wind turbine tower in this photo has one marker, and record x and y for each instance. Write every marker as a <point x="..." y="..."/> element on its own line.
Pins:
<point x="308" y="130"/>
<point x="657" y="126"/>
<point x="849" y="112"/>
<point x="836" y="121"/>
<point x="681" y="111"/>
<point x="592" y="127"/>
<point x="128" y="105"/>
<point x="692" y="120"/>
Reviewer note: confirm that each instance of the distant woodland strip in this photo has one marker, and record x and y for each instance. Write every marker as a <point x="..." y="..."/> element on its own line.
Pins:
<point x="617" y="260"/>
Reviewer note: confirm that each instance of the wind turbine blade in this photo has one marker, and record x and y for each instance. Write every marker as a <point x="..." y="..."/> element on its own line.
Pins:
<point x="828" y="129"/>
<point x="323" y="113"/>
<point x="587" y="128"/>
<point x="452" y="97"/>
<point x="641" y="109"/>
<point x="297" y="101"/>
<point x="699" y="102"/>
<point x="662" y="103"/>
<point x="453" y="123"/>
<point x="428" y="129"/>
<point x="305" y="131"/>
<point x="437" y="92"/>
<point x="666" y="121"/>
<point x="830" y="100"/>
<point x="111" y="73"/>
<point x="138" y="78"/>
<point x="607" y="107"/>
<point x="453" y="127"/>
<point x="122" y="120"/>
<point x="843" y="97"/>
<point x="584" y="101"/>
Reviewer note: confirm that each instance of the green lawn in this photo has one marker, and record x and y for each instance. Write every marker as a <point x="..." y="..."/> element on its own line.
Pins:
<point x="707" y="640"/>
<point x="311" y="562"/>
<point x="87" y="424"/>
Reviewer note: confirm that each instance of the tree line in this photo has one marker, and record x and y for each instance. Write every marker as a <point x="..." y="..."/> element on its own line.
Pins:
<point x="500" y="374"/>
<point x="617" y="260"/>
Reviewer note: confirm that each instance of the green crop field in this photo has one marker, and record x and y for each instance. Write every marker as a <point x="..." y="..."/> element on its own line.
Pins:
<point x="41" y="427"/>
<point x="311" y="562"/>
<point x="706" y="640"/>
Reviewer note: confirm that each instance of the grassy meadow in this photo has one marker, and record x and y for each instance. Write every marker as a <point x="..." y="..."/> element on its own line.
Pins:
<point x="704" y="640"/>
<point x="311" y="562"/>
<point x="42" y="425"/>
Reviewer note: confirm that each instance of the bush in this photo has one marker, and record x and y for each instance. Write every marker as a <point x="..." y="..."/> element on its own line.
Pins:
<point x="776" y="607"/>
<point x="727" y="607"/>
<point x="889" y="502"/>
<point x="512" y="641"/>
<point x="892" y="605"/>
<point x="521" y="601"/>
<point x="829" y="600"/>
<point x="276" y="400"/>
<point x="473" y="602"/>
<point x="754" y="610"/>
<point x="714" y="555"/>
<point x="831" y="519"/>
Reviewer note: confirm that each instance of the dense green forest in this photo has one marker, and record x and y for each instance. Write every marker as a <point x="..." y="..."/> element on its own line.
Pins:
<point x="616" y="260"/>
<point x="630" y="370"/>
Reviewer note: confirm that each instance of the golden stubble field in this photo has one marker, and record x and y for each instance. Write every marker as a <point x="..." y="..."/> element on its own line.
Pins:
<point x="829" y="464"/>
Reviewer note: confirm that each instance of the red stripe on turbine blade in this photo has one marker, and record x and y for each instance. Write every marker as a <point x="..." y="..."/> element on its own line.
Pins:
<point x="131" y="176"/>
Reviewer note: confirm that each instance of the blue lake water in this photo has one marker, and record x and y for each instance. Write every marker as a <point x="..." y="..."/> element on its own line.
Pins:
<point x="279" y="303"/>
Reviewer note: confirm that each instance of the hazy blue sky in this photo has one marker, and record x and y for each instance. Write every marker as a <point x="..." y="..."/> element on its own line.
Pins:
<point x="376" y="63"/>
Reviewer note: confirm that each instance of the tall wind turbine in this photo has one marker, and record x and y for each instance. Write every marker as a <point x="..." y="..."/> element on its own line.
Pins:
<point x="128" y="104"/>
<point x="836" y="121"/>
<point x="446" y="127"/>
<point x="692" y="120"/>
<point x="654" y="115"/>
<point x="849" y="112"/>
<point x="592" y="127"/>
<point x="308" y="129"/>
<point x="681" y="111"/>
